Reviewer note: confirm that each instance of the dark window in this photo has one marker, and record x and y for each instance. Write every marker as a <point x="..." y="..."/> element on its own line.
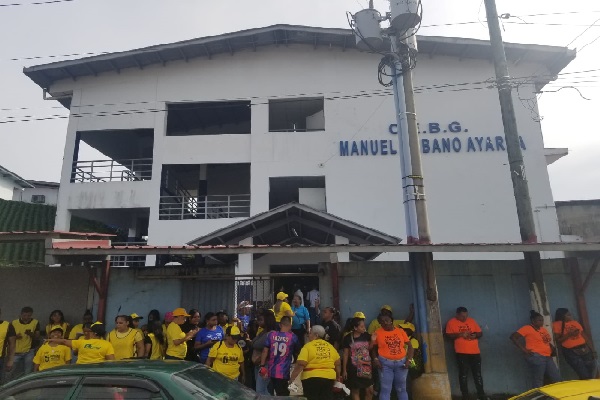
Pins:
<point x="287" y="189"/>
<point x="209" y="118"/>
<point x="297" y="115"/>
<point x="110" y="388"/>
<point x="206" y="383"/>
<point x="38" y="198"/>
<point x="45" y="388"/>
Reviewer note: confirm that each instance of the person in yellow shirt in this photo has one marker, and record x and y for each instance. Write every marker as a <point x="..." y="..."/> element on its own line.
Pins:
<point x="176" y="338"/>
<point x="127" y="342"/>
<point x="227" y="357"/>
<point x="91" y="349"/>
<point x="77" y="330"/>
<point x="8" y="339"/>
<point x="320" y="366"/>
<point x="155" y="350"/>
<point x="52" y="354"/>
<point x="27" y="330"/>
<point x="57" y="318"/>
<point x="281" y="307"/>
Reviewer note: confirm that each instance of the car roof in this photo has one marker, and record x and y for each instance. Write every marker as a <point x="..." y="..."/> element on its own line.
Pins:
<point x="122" y="366"/>
<point x="572" y="388"/>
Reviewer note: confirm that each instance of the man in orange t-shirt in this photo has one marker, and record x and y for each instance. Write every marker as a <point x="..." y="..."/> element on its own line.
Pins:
<point x="466" y="333"/>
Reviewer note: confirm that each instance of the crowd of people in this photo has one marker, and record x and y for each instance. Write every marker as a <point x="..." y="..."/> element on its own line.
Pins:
<point x="268" y="349"/>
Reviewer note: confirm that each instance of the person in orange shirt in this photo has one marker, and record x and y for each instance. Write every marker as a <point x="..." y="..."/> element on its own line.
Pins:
<point x="392" y="354"/>
<point x="465" y="333"/>
<point x="575" y="344"/>
<point x="538" y="350"/>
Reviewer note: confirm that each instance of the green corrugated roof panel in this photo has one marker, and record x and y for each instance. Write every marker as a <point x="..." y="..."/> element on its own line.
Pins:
<point x="18" y="216"/>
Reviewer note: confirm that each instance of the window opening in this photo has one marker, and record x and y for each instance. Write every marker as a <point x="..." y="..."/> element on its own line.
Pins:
<point x="209" y="118"/>
<point x="297" y="115"/>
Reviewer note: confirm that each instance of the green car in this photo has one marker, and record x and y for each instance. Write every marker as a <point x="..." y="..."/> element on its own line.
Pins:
<point x="134" y="379"/>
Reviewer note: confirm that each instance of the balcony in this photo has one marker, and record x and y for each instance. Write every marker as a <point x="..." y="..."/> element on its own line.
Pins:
<point x="204" y="207"/>
<point x="96" y="171"/>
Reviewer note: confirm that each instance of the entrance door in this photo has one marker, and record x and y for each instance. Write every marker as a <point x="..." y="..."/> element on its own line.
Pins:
<point x="289" y="278"/>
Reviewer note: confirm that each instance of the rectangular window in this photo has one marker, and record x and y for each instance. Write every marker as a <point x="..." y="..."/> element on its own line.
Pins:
<point x="38" y="198"/>
<point x="305" y="114"/>
<point x="209" y="118"/>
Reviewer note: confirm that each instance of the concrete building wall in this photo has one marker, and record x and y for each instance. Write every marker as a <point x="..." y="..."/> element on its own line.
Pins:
<point x="580" y="218"/>
<point x="45" y="289"/>
<point x="6" y="188"/>
<point x="468" y="188"/>
<point x="51" y="195"/>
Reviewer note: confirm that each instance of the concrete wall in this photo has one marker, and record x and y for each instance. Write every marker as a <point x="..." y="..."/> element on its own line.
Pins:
<point x="6" y="188"/>
<point x="470" y="189"/>
<point x="45" y="289"/>
<point x="51" y="195"/>
<point x="580" y="217"/>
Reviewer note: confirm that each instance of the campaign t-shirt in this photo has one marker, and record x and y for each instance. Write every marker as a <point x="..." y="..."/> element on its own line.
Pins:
<point x="281" y="346"/>
<point x="390" y="344"/>
<point x="320" y="358"/>
<point x="124" y="343"/>
<point x="205" y="335"/>
<point x="174" y="332"/>
<point x="374" y="325"/>
<point x="6" y="331"/>
<point x="64" y="326"/>
<point x="283" y="308"/>
<point x="301" y="315"/>
<point x="462" y="345"/>
<point x="537" y="341"/>
<point x="52" y="356"/>
<point x="158" y="348"/>
<point x="76" y="332"/>
<point x="92" y="350"/>
<point x="227" y="359"/>
<point x="570" y="326"/>
<point x="24" y="343"/>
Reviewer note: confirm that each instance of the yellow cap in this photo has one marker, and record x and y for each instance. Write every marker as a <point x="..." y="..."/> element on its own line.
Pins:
<point x="135" y="316"/>
<point x="281" y="296"/>
<point x="407" y="325"/>
<point x="56" y="328"/>
<point x="96" y="323"/>
<point x="180" y="312"/>
<point x="359" y="314"/>
<point x="386" y="307"/>
<point x="235" y="330"/>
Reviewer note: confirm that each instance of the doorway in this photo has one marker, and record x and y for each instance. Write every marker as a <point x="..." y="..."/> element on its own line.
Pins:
<point x="289" y="278"/>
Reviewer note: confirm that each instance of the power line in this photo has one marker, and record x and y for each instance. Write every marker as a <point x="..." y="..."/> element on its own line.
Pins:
<point x="37" y="3"/>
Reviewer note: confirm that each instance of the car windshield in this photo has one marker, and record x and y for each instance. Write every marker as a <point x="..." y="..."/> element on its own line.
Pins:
<point x="204" y="383"/>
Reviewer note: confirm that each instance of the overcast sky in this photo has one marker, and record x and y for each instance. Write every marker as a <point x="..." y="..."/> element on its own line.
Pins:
<point x="34" y="150"/>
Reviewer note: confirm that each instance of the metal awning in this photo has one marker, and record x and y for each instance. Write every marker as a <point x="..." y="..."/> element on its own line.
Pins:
<point x="554" y="58"/>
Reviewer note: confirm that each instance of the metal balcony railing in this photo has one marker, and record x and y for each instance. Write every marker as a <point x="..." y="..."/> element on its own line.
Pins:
<point x="139" y="169"/>
<point x="204" y="207"/>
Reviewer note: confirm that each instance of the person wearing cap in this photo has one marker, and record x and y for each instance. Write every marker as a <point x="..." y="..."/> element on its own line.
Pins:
<point x="8" y="339"/>
<point x="92" y="348"/>
<point x="176" y="338"/>
<point x="227" y="357"/>
<point x="319" y="366"/>
<point x="127" y="342"/>
<point x="278" y="349"/>
<point x="300" y="321"/>
<point x="53" y="354"/>
<point x="281" y="307"/>
<point x="243" y="315"/>
<point x="387" y="310"/>
<point x="357" y="369"/>
<point x="135" y="321"/>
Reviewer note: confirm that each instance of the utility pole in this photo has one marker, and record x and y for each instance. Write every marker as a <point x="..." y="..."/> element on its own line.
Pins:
<point x="404" y="16"/>
<point x="533" y="262"/>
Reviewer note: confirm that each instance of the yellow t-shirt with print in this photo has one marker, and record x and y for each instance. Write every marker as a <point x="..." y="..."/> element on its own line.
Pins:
<point x="91" y="351"/>
<point x="227" y="359"/>
<point x="4" y="325"/>
<point x="158" y="349"/>
<point x="24" y="344"/>
<point x="124" y="343"/>
<point x="76" y="332"/>
<point x="52" y="356"/>
<point x="64" y="326"/>
<point x="174" y="332"/>
<point x="282" y="311"/>
<point x="320" y="358"/>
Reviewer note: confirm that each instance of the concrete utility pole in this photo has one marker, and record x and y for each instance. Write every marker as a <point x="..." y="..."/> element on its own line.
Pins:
<point x="533" y="262"/>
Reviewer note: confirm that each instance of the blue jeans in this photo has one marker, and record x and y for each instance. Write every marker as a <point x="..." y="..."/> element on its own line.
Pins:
<point x="262" y="384"/>
<point x="540" y="366"/>
<point x="393" y="374"/>
<point x="23" y="364"/>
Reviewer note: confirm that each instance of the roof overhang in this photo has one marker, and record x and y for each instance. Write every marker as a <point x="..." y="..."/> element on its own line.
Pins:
<point x="15" y="178"/>
<point x="297" y="224"/>
<point x="554" y="154"/>
<point x="552" y="57"/>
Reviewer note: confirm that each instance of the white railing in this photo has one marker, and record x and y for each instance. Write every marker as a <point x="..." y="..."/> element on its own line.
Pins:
<point x="204" y="207"/>
<point x="127" y="261"/>
<point x="139" y="169"/>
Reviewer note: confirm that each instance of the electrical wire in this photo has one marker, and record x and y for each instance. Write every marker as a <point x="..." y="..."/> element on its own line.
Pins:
<point x="37" y="3"/>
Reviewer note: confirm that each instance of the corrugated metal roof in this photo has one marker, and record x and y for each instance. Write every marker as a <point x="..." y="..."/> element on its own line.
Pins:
<point x="553" y="57"/>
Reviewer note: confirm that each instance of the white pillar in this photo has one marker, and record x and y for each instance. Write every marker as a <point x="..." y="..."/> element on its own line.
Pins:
<point x="245" y="261"/>
<point x="342" y="256"/>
